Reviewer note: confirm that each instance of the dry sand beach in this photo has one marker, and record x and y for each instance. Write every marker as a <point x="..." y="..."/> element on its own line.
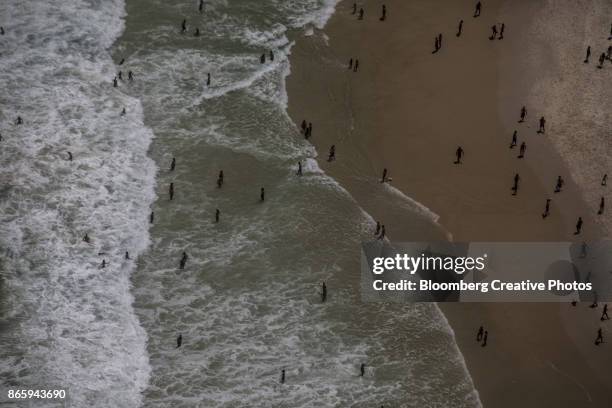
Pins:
<point x="407" y="110"/>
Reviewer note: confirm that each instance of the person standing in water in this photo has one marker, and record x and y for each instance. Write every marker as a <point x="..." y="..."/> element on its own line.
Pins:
<point x="173" y="164"/>
<point x="262" y="195"/>
<point x="197" y="32"/>
<point x="217" y="215"/>
<point x="299" y="170"/>
<point x="362" y="370"/>
<point x="383" y="233"/>
<point x="208" y="79"/>
<point x="460" y="28"/>
<point x="384" y="176"/>
<point x="183" y="261"/>
<point x="130" y="76"/>
<point x="184" y="26"/>
<point x="547" y="208"/>
<point x="69" y="154"/>
<point x="477" y="9"/>
<point x="171" y="191"/>
<point x="323" y="292"/>
<point x="602" y="204"/>
<point x="282" y="376"/>
<point x="201" y="6"/>
<point x="179" y="340"/>
<point x="332" y="153"/>
<point x="220" y="179"/>
<point x="151" y="217"/>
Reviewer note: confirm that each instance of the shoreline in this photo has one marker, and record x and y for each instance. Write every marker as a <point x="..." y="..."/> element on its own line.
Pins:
<point x="392" y="106"/>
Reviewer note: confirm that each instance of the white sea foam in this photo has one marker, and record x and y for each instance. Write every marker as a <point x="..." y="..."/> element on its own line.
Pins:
<point x="74" y="322"/>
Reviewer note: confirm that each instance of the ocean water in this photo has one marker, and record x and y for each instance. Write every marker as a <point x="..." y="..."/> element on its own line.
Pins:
<point x="247" y="303"/>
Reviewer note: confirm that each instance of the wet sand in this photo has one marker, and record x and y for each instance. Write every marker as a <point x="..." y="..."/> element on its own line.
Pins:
<point x="407" y="109"/>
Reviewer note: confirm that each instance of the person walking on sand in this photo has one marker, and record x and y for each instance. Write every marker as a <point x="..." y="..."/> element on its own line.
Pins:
<point x="602" y="58"/>
<point x="493" y="32"/>
<point x="384" y="176"/>
<point x="173" y="164"/>
<point x="602" y="204"/>
<point x="299" y="170"/>
<point x="578" y="226"/>
<point x="436" y="45"/>
<point x="610" y="37"/>
<point x="332" y="153"/>
<point x="309" y="129"/>
<point x="356" y="66"/>
<point x="323" y="292"/>
<point x="460" y="28"/>
<point x="383" y="17"/>
<point x="184" y="26"/>
<point x="354" y="8"/>
<point x="217" y="215"/>
<point x="588" y="55"/>
<point x="522" y="150"/>
<point x="485" y="338"/>
<point x="220" y="179"/>
<point x="542" y="128"/>
<point x="477" y="9"/>
<point x="362" y="370"/>
<point x="560" y="183"/>
<point x="171" y="191"/>
<point x="604" y="180"/>
<point x="440" y="40"/>
<point x="459" y="154"/>
<point x="479" y="334"/>
<point x="377" y="228"/>
<point x="501" y="31"/>
<point x="604" y="313"/>
<point x="183" y="260"/>
<point x="547" y="208"/>
<point x="350" y="65"/>
<point x="599" y="338"/>
<point x="179" y="340"/>
<point x="513" y="142"/>
<point x="360" y="14"/>
<point x="523" y="114"/>
<point x="516" y="184"/>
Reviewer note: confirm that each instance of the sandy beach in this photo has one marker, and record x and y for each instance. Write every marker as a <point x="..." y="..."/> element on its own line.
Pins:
<point x="407" y="110"/>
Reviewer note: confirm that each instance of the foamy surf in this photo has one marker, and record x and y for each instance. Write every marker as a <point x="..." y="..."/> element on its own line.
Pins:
<point x="70" y="323"/>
